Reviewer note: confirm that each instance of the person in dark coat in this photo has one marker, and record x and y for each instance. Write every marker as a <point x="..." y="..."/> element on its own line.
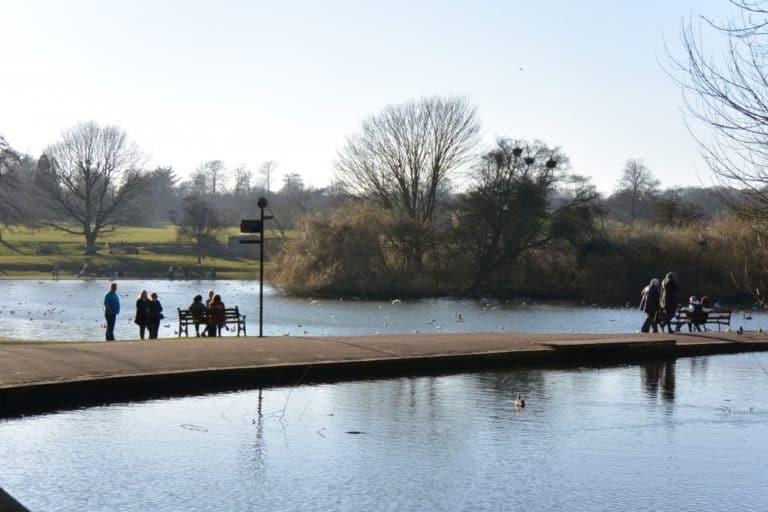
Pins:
<point x="199" y="313"/>
<point x="155" y="315"/>
<point x="668" y="300"/>
<point x="649" y="304"/>
<point x="142" y="313"/>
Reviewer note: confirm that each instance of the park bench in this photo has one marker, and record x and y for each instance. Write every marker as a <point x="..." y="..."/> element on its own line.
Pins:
<point x="718" y="317"/>
<point x="232" y="317"/>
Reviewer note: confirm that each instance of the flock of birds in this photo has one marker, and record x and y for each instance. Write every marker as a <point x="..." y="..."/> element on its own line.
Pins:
<point x="457" y="316"/>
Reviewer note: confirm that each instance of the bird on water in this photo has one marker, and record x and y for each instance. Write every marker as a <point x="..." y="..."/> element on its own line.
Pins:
<point x="520" y="401"/>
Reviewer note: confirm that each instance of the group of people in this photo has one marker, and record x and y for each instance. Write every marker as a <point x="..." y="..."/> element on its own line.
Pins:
<point x="211" y="314"/>
<point x="149" y="312"/>
<point x="658" y="300"/>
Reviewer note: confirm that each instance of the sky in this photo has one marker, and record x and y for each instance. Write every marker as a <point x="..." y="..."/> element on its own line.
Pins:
<point x="250" y="81"/>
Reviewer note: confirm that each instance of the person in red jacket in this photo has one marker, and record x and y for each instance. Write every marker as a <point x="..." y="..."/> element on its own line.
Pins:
<point x="216" y="316"/>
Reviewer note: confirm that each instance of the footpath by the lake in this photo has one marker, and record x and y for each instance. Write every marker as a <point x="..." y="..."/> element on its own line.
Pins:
<point x="39" y="376"/>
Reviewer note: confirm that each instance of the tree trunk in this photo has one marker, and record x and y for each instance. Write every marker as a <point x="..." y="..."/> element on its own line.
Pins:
<point x="90" y="243"/>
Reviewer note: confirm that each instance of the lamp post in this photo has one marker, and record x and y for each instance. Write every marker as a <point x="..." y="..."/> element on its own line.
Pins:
<point x="262" y="203"/>
<point x="257" y="226"/>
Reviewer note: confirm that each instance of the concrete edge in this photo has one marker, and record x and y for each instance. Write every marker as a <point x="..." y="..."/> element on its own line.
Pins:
<point x="50" y="396"/>
<point x="8" y="504"/>
<point x="44" y="397"/>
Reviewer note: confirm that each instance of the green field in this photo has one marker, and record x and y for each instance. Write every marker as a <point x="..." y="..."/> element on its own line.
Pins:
<point x="32" y="253"/>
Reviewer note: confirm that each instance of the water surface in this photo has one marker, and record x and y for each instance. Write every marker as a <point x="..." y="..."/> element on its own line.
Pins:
<point x="72" y="310"/>
<point x="689" y="434"/>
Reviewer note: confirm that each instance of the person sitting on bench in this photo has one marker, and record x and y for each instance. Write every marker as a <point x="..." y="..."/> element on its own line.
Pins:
<point x="199" y="313"/>
<point x="217" y="316"/>
<point x="697" y="314"/>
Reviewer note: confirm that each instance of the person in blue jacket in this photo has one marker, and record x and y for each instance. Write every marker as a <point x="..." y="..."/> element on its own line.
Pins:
<point x="111" y="310"/>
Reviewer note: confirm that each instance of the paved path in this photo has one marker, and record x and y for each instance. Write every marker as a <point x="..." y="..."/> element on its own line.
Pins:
<point x="40" y="375"/>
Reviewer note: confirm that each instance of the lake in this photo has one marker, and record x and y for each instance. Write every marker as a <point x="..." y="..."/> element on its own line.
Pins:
<point x="71" y="310"/>
<point x="666" y="435"/>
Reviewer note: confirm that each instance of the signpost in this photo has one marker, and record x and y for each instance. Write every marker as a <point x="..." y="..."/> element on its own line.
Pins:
<point x="257" y="226"/>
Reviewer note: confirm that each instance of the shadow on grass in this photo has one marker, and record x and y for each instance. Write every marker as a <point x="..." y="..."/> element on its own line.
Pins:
<point x="13" y="248"/>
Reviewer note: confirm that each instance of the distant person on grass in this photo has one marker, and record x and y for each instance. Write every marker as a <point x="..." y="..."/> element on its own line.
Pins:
<point x="199" y="313"/>
<point x="142" y="313"/>
<point x="111" y="310"/>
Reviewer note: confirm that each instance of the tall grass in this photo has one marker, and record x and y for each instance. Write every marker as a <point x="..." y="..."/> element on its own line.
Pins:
<point x="349" y="254"/>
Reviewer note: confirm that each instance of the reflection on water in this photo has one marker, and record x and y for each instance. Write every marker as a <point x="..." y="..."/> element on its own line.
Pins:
<point x="659" y="374"/>
<point x="664" y="435"/>
<point x="72" y="310"/>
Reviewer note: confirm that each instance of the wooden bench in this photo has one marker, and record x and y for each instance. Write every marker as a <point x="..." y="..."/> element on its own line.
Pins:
<point x="232" y="316"/>
<point x="718" y="317"/>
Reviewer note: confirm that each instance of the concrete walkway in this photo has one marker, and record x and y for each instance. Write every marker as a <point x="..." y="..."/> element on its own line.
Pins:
<point x="37" y="376"/>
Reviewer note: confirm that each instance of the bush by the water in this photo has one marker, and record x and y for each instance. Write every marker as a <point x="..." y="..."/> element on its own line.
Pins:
<point x="349" y="253"/>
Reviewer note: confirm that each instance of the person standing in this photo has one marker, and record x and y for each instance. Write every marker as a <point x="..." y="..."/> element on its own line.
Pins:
<point x="155" y="315"/>
<point x="668" y="300"/>
<point x="111" y="310"/>
<point x="142" y="313"/>
<point x="649" y="304"/>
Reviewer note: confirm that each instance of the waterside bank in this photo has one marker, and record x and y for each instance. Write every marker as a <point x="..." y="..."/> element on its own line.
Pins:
<point x="38" y="377"/>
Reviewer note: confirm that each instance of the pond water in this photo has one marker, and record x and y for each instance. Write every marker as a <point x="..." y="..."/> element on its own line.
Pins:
<point x="72" y="310"/>
<point x="666" y="435"/>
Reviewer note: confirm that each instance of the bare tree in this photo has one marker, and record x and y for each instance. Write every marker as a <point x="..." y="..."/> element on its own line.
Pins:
<point x="726" y="103"/>
<point x="405" y="153"/>
<point x="266" y="171"/>
<point x="293" y="183"/>
<point x="9" y="163"/>
<point x="93" y="174"/>
<point x="242" y="181"/>
<point x="199" y="224"/>
<point x="198" y="182"/>
<point x="523" y="196"/>
<point x="404" y="157"/>
<point x="638" y="181"/>
<point x="217" y="172"/>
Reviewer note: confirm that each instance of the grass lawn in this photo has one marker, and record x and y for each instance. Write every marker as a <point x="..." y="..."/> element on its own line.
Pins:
<point x="32" y="253"/>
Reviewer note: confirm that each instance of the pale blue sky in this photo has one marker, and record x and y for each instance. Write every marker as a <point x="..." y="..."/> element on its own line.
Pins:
<point x="246" y="82"/>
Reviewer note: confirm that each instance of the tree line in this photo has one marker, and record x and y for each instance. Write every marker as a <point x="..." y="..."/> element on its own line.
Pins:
<point x="419" y="207"/>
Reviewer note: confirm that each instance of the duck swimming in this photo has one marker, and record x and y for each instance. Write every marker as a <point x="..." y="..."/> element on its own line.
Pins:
<point x="520" y="402"/>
